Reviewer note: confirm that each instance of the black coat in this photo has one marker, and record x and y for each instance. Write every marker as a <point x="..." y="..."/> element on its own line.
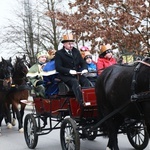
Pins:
<point x="65" y="62"/>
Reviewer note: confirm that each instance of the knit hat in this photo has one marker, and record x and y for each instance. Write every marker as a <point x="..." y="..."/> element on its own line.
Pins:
<point x="42" y="53"/>
<point x="83" y="51"/>
<point x="87" y="55"/>
<point x="84" y="48"/>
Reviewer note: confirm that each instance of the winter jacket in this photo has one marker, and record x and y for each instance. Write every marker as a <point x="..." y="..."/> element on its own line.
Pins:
<point x="34" y="74"/>
<point x="91" y="68"/>
<point x="65" y="62"/>
<point x="51" y="84"/>
<point x="103" y="63"/>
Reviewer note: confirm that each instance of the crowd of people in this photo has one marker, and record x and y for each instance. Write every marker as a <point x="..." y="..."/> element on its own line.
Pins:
<point x="74" y="67"/>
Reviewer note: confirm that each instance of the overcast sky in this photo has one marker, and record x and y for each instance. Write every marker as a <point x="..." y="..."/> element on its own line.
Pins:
<point x="7" y="12"/>
<point x="6" y="8"/>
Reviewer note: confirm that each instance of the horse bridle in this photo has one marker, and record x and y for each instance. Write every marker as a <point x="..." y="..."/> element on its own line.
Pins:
<point x="136" y="72"/>
<point x="24" y="78"/>
<point x="6" y="80"/>
<point x="139" y="97"/>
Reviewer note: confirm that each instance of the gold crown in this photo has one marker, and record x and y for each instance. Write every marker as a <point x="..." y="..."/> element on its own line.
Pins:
<point x="51" y="54"/>
<point x="67" y="38"/>
<point x="104" y="48"/>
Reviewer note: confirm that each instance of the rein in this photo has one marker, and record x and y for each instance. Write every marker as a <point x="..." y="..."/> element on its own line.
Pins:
<point x="23" y="78"/>
<point x="2" y="80"/>
<point x="142" y="62"/>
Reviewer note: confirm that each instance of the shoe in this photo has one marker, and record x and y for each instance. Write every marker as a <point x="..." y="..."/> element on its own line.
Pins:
<point x="82" y="109"/>
<point x="44" y="121"/>
<point x="40" y="91"/>
<point x="81" y="103"/>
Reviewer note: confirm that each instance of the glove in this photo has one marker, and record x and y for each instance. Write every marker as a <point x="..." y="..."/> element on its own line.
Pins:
<point x="73" y="72"/>
<point x="84" y="71"/>
<point x="39" y="83"/>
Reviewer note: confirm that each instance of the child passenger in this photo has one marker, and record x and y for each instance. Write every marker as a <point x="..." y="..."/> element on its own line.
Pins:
<point x="35" y="74"/>
<point x="92" y="69"/>
<point x="106" y="58"/>
<point x="83" y="50"/>
<point x="51" y="79"/>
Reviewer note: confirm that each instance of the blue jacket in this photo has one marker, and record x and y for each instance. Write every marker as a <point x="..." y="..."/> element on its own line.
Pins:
<point x="49" y="66"/>
<point x="91" y="67"/>
<point x="51" y="85"/>
<point x="92" y="70"/>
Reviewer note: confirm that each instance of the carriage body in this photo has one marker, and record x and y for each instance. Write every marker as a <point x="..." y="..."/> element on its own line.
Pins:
<point x="57" y="109"/>
<point x="64" y="112"/>
<point x="56" y="104"/>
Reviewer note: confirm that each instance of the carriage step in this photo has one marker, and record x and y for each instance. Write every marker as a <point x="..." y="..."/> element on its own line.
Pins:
<point x="27" y="102"/>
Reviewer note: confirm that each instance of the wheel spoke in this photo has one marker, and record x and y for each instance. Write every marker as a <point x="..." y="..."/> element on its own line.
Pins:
<point x="138" y="136"/>
<point x="30" y="128"/>
<point x="69" y="135"/>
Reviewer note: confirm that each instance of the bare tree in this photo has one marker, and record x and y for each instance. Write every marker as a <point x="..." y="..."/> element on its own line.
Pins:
<point x="50" y="33"/>
<point x="28" y="32"/>
<point x="123" y="23"/>
<point x="32" y="31"/>
<point x="19" y="33"/>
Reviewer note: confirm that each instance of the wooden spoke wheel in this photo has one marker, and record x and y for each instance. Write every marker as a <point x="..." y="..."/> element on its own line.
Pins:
<point x="69" y="135"/>
<point x="138" y="136"/>
<point x="30" y="128"/>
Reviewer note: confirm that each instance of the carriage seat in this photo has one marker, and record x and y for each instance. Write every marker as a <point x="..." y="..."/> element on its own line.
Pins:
<point x="63" y="89"/>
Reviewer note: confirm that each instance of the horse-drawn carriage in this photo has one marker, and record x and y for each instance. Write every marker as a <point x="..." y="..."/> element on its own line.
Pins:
<point x="77" y="122"/>
<point x="121" y="92"/>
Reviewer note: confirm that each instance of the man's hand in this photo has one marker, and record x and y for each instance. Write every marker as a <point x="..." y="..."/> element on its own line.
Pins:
<point x="73" y="72"/>
<point x="84" y="71"/>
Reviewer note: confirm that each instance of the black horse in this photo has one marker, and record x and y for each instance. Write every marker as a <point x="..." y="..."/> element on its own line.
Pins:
<point x="19" y="91"/>
<point x="125" y="88"/>
<point x="6" y="71"/>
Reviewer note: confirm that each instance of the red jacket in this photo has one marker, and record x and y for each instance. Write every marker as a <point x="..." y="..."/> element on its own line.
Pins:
<point x="103" y="63"/>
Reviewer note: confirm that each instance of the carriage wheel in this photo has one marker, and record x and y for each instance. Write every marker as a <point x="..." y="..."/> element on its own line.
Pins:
<point x="138" y="136"/>
<point x="30" y="128"/>
<point x="92" y="135"/>
<point x="69" y="135"/>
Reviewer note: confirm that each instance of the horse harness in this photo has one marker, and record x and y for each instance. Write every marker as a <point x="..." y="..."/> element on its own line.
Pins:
<point x="21" y="83"/>
<point x="143" y="96"/>
<point x="135" y="98"/>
